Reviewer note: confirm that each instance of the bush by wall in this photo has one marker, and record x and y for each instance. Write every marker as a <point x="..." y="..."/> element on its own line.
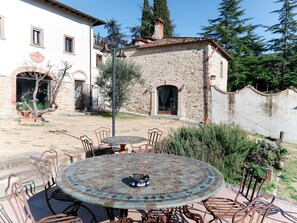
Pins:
<point x="231" y="143"/>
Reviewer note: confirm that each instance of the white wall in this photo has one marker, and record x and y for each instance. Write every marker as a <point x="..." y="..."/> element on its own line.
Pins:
<point x="16" y="47"/>
<point x="20" y="16"/>
<point x="266" y="114"/>
<point x="218" y="66"/>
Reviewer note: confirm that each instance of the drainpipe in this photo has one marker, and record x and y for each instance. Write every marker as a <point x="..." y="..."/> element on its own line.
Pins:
<point x="91" y="47"/>
<point x="206" y="85"/>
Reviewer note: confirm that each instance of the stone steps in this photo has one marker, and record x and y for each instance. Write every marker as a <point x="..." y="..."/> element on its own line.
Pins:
<point x="20" y="165"/>
<point x="23" y="166"/>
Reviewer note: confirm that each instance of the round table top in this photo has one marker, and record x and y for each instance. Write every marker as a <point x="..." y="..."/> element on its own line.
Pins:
<point x="123" y="139"/>
<point x="174" y="181"/>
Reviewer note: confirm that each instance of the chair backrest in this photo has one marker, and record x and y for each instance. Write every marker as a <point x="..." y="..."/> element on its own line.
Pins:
<point x="17" y="199"/>
<point x="48" y="166"/>
<point x="88" y="146"/>
<point x="154" y="136"/>
<point x="4" y="218"/>
<point x="102" y="133"/>
<point x="256" y="211"/>
<point x="253" y="178"/>
<point x="208" y="155"/>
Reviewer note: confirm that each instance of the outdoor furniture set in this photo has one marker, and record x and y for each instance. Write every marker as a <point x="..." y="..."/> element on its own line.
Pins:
<point x="156" y="184"/>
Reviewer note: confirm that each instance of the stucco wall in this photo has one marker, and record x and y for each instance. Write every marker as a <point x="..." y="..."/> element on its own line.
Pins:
<point x="182" y="64"/>
<point x="218" y="68"/>
<point x="16" y="45"/>
<point x="266" y="114"/>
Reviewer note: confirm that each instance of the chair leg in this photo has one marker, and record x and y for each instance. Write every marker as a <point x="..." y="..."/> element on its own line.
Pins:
<point x="94" y="220"/>
<point x="74" y="208"/>
<point x="110" y="214"/>
<point x="71" y="209"/>
<point x="194" y="216"/>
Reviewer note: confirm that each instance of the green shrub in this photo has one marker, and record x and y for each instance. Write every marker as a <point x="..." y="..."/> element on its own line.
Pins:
<point x="22" y="107"/>
<point x="231" y="142"/>
<point x="268" y="154"/>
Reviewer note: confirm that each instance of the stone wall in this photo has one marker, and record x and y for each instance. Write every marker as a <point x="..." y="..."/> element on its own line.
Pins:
<point x="65" y="98"/>
<point x="5" y="98"/>
<point x="182" y="64"/>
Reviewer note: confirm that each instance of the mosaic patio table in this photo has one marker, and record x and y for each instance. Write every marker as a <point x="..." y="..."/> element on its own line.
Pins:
<point x="123" y="140"/>
<point x="174" y="181"/>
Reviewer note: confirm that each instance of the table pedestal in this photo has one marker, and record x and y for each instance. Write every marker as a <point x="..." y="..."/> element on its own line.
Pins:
<point x="122" y="148"/>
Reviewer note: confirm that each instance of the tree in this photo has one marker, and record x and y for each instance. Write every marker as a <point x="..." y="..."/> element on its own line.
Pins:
<point x="30" y="99"/>
<point x="115" y="37"/>
<point x="161" y="11"/>
<point x="236" y="37"/>
<point x="127" y="74"/>
<point x="285" y="45"/>
<point x="147" y="20"/>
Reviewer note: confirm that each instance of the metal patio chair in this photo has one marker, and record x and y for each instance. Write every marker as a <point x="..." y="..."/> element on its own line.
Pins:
<point x="91" y="150"/>
<point x="4" y="218"/>
<point x="208" y="154"/>
<point x="154" y="136"/>
<point x="48" y="167"/>
<point x="222" y="208"/>
<point x="101" y="133"/>
<point x="18" y="201"/>
<point x="256" y="211"/>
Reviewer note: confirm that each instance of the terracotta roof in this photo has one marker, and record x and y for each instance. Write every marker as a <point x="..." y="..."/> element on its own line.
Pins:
<point x="54" y="3"/>
<point x="182" y="40"/>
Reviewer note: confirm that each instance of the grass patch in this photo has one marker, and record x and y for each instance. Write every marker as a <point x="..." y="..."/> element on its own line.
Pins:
<point x="120" y="115"/>
<point x="288" y="178"/>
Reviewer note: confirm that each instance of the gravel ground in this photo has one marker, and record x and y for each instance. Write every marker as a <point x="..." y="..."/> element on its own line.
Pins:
<point x="60" y="132"/>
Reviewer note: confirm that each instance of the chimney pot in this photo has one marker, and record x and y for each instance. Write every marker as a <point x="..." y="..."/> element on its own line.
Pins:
<point x="159" y="29"/>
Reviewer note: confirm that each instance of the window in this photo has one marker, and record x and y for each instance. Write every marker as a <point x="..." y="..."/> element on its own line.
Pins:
<point x="1" y="26"/>
<point x="167" y="99"/>
<point x="37" y="36"/>
<point x="221" y="70"/>
<point x="98" y="60"/>
<point x="69" y="44"/>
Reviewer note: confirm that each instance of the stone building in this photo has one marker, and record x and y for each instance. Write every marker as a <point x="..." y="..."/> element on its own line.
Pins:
<point x="178" y="73"/>
<point x="36" y="32"/>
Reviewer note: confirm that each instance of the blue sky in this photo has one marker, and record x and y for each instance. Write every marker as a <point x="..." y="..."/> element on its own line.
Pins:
<point x="187" y="15"/>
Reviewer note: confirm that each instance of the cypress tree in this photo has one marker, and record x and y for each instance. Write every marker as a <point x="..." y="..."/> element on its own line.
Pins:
<point x="147" y="20"/>
<point x="161" y="11"/>
<point x="284" y="46"/>
<point x="237" y="38"/>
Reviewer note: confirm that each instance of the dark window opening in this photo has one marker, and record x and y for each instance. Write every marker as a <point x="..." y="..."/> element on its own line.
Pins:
<point x="98" y="60"/>
<point x="167" y="100"/>
<point x="79" y="95"/>
<point x="69" y="45"/>
<point x="36" y="37"/>
<point x="25" y="88"/>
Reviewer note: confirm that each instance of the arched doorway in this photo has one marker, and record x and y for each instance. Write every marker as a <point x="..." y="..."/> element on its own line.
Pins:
<point x="25" y="86"/>
<point x="167" y="100"/>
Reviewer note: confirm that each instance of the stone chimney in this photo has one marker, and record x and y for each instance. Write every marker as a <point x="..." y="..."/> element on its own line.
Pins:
<point x="159" y="25"/>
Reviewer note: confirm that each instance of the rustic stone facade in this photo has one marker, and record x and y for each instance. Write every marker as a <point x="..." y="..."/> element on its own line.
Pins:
<point x="185" y="66"/>
<point x="65" y="98"/>
<point x="5" y="102"/>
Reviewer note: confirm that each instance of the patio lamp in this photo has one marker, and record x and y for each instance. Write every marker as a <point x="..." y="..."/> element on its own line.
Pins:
<point x="105" y="50"/>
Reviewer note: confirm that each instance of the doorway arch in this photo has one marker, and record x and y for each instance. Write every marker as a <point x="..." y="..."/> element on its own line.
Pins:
<point x="21" y="72"/>
<point x="167" y="98"/>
